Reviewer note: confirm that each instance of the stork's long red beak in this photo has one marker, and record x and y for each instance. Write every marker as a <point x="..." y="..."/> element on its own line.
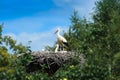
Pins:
<point x="56" y="31"/>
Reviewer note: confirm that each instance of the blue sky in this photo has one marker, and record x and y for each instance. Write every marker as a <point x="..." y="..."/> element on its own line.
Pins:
<point x="37" y="20"/>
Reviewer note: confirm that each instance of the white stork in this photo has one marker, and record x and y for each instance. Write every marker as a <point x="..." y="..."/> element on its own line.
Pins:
<point x="61" y="40"/>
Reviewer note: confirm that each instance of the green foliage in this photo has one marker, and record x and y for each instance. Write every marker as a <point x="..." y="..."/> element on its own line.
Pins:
<point x="4" y="60"/>
<point x="99" y="41"/>
<point x="11" y="67"/>
<point x="49" y="48"/>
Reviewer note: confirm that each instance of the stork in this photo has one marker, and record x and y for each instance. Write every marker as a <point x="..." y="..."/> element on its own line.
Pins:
<point x="61" y="40"/>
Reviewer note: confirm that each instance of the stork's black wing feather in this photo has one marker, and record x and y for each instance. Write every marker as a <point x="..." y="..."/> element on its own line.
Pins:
<point x="66" y="44"/>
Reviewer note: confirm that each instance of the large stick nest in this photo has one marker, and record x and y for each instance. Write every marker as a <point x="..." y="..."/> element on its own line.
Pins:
<point x="50" y="60"/>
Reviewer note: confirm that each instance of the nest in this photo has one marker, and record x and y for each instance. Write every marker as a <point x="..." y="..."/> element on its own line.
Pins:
<point x="50" y="60"/>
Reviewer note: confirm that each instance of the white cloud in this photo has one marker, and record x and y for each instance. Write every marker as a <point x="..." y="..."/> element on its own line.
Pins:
<point x="39" y="40"/>
<point x="22" y="24"/>
<point x="62" y="3"/>
<point x="84" y="7"/>
<point x="35" y="23"/>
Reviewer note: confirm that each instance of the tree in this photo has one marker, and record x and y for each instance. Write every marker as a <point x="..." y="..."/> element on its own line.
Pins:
<point x="98" y="40"/>
<point x="10" y="66"/>
<point x="4" y="56"/>
<point x="107" y="15"/>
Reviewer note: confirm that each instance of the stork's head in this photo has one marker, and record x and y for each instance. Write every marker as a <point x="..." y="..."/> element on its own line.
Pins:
<point x="57" y="30"/>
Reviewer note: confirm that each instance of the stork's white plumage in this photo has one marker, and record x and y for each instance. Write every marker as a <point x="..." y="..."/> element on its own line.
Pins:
<point x="61" y="40"/>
